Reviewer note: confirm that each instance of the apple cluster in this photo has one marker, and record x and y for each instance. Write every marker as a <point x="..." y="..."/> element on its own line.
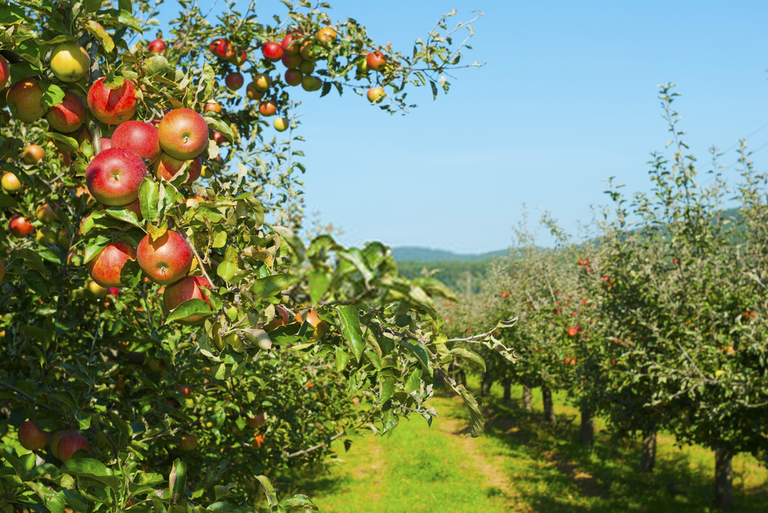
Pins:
<point x="63" y="444"/>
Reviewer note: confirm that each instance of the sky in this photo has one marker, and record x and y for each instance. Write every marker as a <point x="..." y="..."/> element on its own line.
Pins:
<point x="567" y="98"/>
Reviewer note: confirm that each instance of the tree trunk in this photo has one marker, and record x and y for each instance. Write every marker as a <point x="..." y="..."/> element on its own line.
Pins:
<point x="549" y="410"/>
<point x="485" y="386"/>
<point x="648" y="452"/>
<point x="587" y="434"/>
<point x="723" y="479"/>
<point x="507" y="392"/>
<point x="527" y="399"/>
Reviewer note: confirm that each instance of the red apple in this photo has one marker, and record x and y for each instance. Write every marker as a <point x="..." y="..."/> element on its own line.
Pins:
<point x="32" y="437"/>
<point x="69" y="444"/>
<point x="218" y="137"/>
<point x="106" y="143"/>
<point x="106" y="267"/>
<point x="288" y="45"/>
<point x="166" y="168"/>
<point x="156" y="46"/>
<point x="272" y="51"/>
<point x="327" y="35"/>
<point x="293" y="77"/>
<point x="292" y="60"/>
<point x="214" y="47"/>
<point x="114" y="176"/>
<point x="184" y="290"/>
<point x="112" y="106"/>
<point x="5" y="72"/>
<point x="56" y="437"/>
<point x="234" y="81"/>
<point x="239" y="58"/>
<point x="20" y="227"/>
<point x="376" y="61"/>
<point x="268" y="108"/>
<point x="256" y="421"/>
<point x="165" y="260"/>
<point x="140" y="138"/>
<point x="69" y="115"/>
<point x="213" y="106"/>
<point x="24" y="99"/>
<point x="183" y="134"/>
<point x="225" y="50"/>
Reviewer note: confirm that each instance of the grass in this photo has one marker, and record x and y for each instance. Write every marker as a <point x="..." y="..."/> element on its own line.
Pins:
<point x="521" y="465"/>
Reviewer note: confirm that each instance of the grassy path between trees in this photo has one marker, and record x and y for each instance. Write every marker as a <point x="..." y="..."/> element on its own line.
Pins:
<point x="521" y="466"/>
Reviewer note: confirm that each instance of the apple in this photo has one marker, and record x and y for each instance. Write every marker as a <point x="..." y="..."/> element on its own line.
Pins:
<point x="141" y="138"/>
<point x="32" y="437"/>
<point x="327" y="35"/>
<point x="11" y="183"/>
<point x="184" y="290"/>
<point x="376" y="61"/>
<point x="106" y="143"/>
<point x="362" y="66"/>
<point x="256" y="421"/>
<point x="96" y="289"/>
<point x="281" y="124"/>
<point x="281" y="319"/>
<point x="24" y="98"/>
<point x="213" y="106"/>
<point x="239" y="58"/>
<point x="214" y="47"/>
<point x="70" y="62"/>
<point x="114" y="176"/>
<point x="320" y="326"/>
<point x="309" y="51"/>
<point x="112" y="106"/>
<point x="69" y="115"/>
<point x="46" y="236"/>
<point x="188" y="443"/>
<point x="165" y="260"/>
<point x="268" y="108"/>
<point x="166" y="167"/>
<point x="252" y="93"/>
<point x="225" y="50"/>
<point x="288" y="45"/>
<point x="573" y="331"/>
<point x="311" y="83"/>
<point x="262" y="82"/>
<point x="183" y="134"/>
<point x="293" y="77"/>
<point x="234" y="81"/>
<point x="156" y="46"/>
<point x="375" y="94"/>
<point x="307" y="67"/>
<point x="56" y="438"/>
<point x="106" y="267"/>
<point x="230" y="339"/>
<point x="292" y="60"/>
<point x="5" y="72"/>
<point x="135" y="207"/>
<point x="33" y="154"/>
<point x="272" y="51"/>
<point x="69" y="444"/>
<point x="20" y="227"/>
<point x="218" y="137"/>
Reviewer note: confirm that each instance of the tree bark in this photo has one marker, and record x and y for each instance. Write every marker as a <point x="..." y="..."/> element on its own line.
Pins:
<point x="507" y="392"/>
<point x="723" y="480"/>
<point x="485" y="386"/>
<point x="648" y="452"/>
<point x="527" y="399"/>
<point x="587" y="434"/>
<point x="549" y="410"/>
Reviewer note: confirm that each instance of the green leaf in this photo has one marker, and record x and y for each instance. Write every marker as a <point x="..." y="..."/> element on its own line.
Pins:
<point x="293" y="241"/>
<point x="386" y="389"/>
<point x="220" y="126"/>
<point x="273" y="285"/>
<point x="69" y="143"/>
<point x="97" y="30"/>
<point x="7" y="201"/>
<point x="52" y="94"/>
<point x="92" y="5"/>
<point x="299" y="501"/>
<point x="125" y="215"/>
<point x="268" y="491"/>
<point x="127" y="19"/>
<point x="350" y="329"/>
<point x="412" y="383"/>
<point x="421" y="353"/>
<point x="93" y="470"/>
<point x="477" y="421"/>
<point x="468" y="355"/>
<point x="190" y="308"/>
<point x="342" y="358"/>
<point x="177" y="480"/>
<point x="318" y="284"/>
<point x="149" y="196"/>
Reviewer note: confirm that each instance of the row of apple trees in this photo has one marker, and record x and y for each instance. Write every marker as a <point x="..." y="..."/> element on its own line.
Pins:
<point x="110" y="398"/>
<point x="659" y="321"/>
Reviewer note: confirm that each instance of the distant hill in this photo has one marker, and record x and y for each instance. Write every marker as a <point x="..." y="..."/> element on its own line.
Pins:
<point x="418" y="254"/>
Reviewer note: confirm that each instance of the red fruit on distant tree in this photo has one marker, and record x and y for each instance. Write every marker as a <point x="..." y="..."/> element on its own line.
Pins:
<point x="273" y="52"/>
<point x="20" y="227"/>
<point x="69" y="115"/>
<point x="141" y="138"/>
<point x="183" y="134"/>
<point x="106" y="267"/>
<point x="183" y="290"/>
<point x="32" y="437"/>
<point x="573" y="331"/>
<point x="156" y="46"/>
<point x="24" y="98"/>
<point x="114" y="176"/>
<point x="166" y="168"/>
<point x="214" y="47"/>
<point x="376" y="61"/>
<point x="218" y="137"/>
<point x="289" y="44"/>
<point x="268" y="108"/>
<point x="222" y="49"/>
<point x="327" y="35"/>
<point x="292" y="60"/>
<point x="234" y="81"/>
<point x="165" y="260"/>
<point x="112" y="106"/>
<point x="293" y="77"/>
<point x="256" y="421"/>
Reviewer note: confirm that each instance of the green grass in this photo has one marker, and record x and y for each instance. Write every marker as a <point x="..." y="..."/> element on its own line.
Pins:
<point x="521" y="465"/>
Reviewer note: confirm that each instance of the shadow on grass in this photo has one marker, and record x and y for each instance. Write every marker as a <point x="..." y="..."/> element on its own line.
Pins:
<point x="564" y="476"/>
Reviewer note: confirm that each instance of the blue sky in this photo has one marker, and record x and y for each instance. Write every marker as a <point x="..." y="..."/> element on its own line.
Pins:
<point x="567" y="99"/>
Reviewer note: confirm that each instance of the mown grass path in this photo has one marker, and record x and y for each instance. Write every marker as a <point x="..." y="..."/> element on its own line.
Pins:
<point x="521" y="466"/>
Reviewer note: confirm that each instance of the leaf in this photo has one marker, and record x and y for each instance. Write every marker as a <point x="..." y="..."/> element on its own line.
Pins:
<point x="386" y="389"/>
<point x="190" y="308"/>
<point x="412" y="383"/>
<point x="468" y="355"/>
<point x="52" y="94"/>
<point x="273" y="285"/>
<point x="342" y="358"/>
<point x="421" y="353"/>
<point x="259" y="336"/>
<point x="293" y="241"/>
<point x="97" y="30"/>
<point x="220" y="126"/>
<point x="177" y="480"/>
<point x="7" y="201"/>
<point x="156" y="231"/>
<point x="125" y="215"/>
<point x="477" y="421"/>
<point x="69" y="143"/>
<point x="268" y="491"/>
<point x="92" y="469"/>
<point x="299" y="501"/>
<point x="126" y="18"/>
<point x="149" y="195"/>
<point x="350" y="329"/>
<point x="318" y="284"/>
